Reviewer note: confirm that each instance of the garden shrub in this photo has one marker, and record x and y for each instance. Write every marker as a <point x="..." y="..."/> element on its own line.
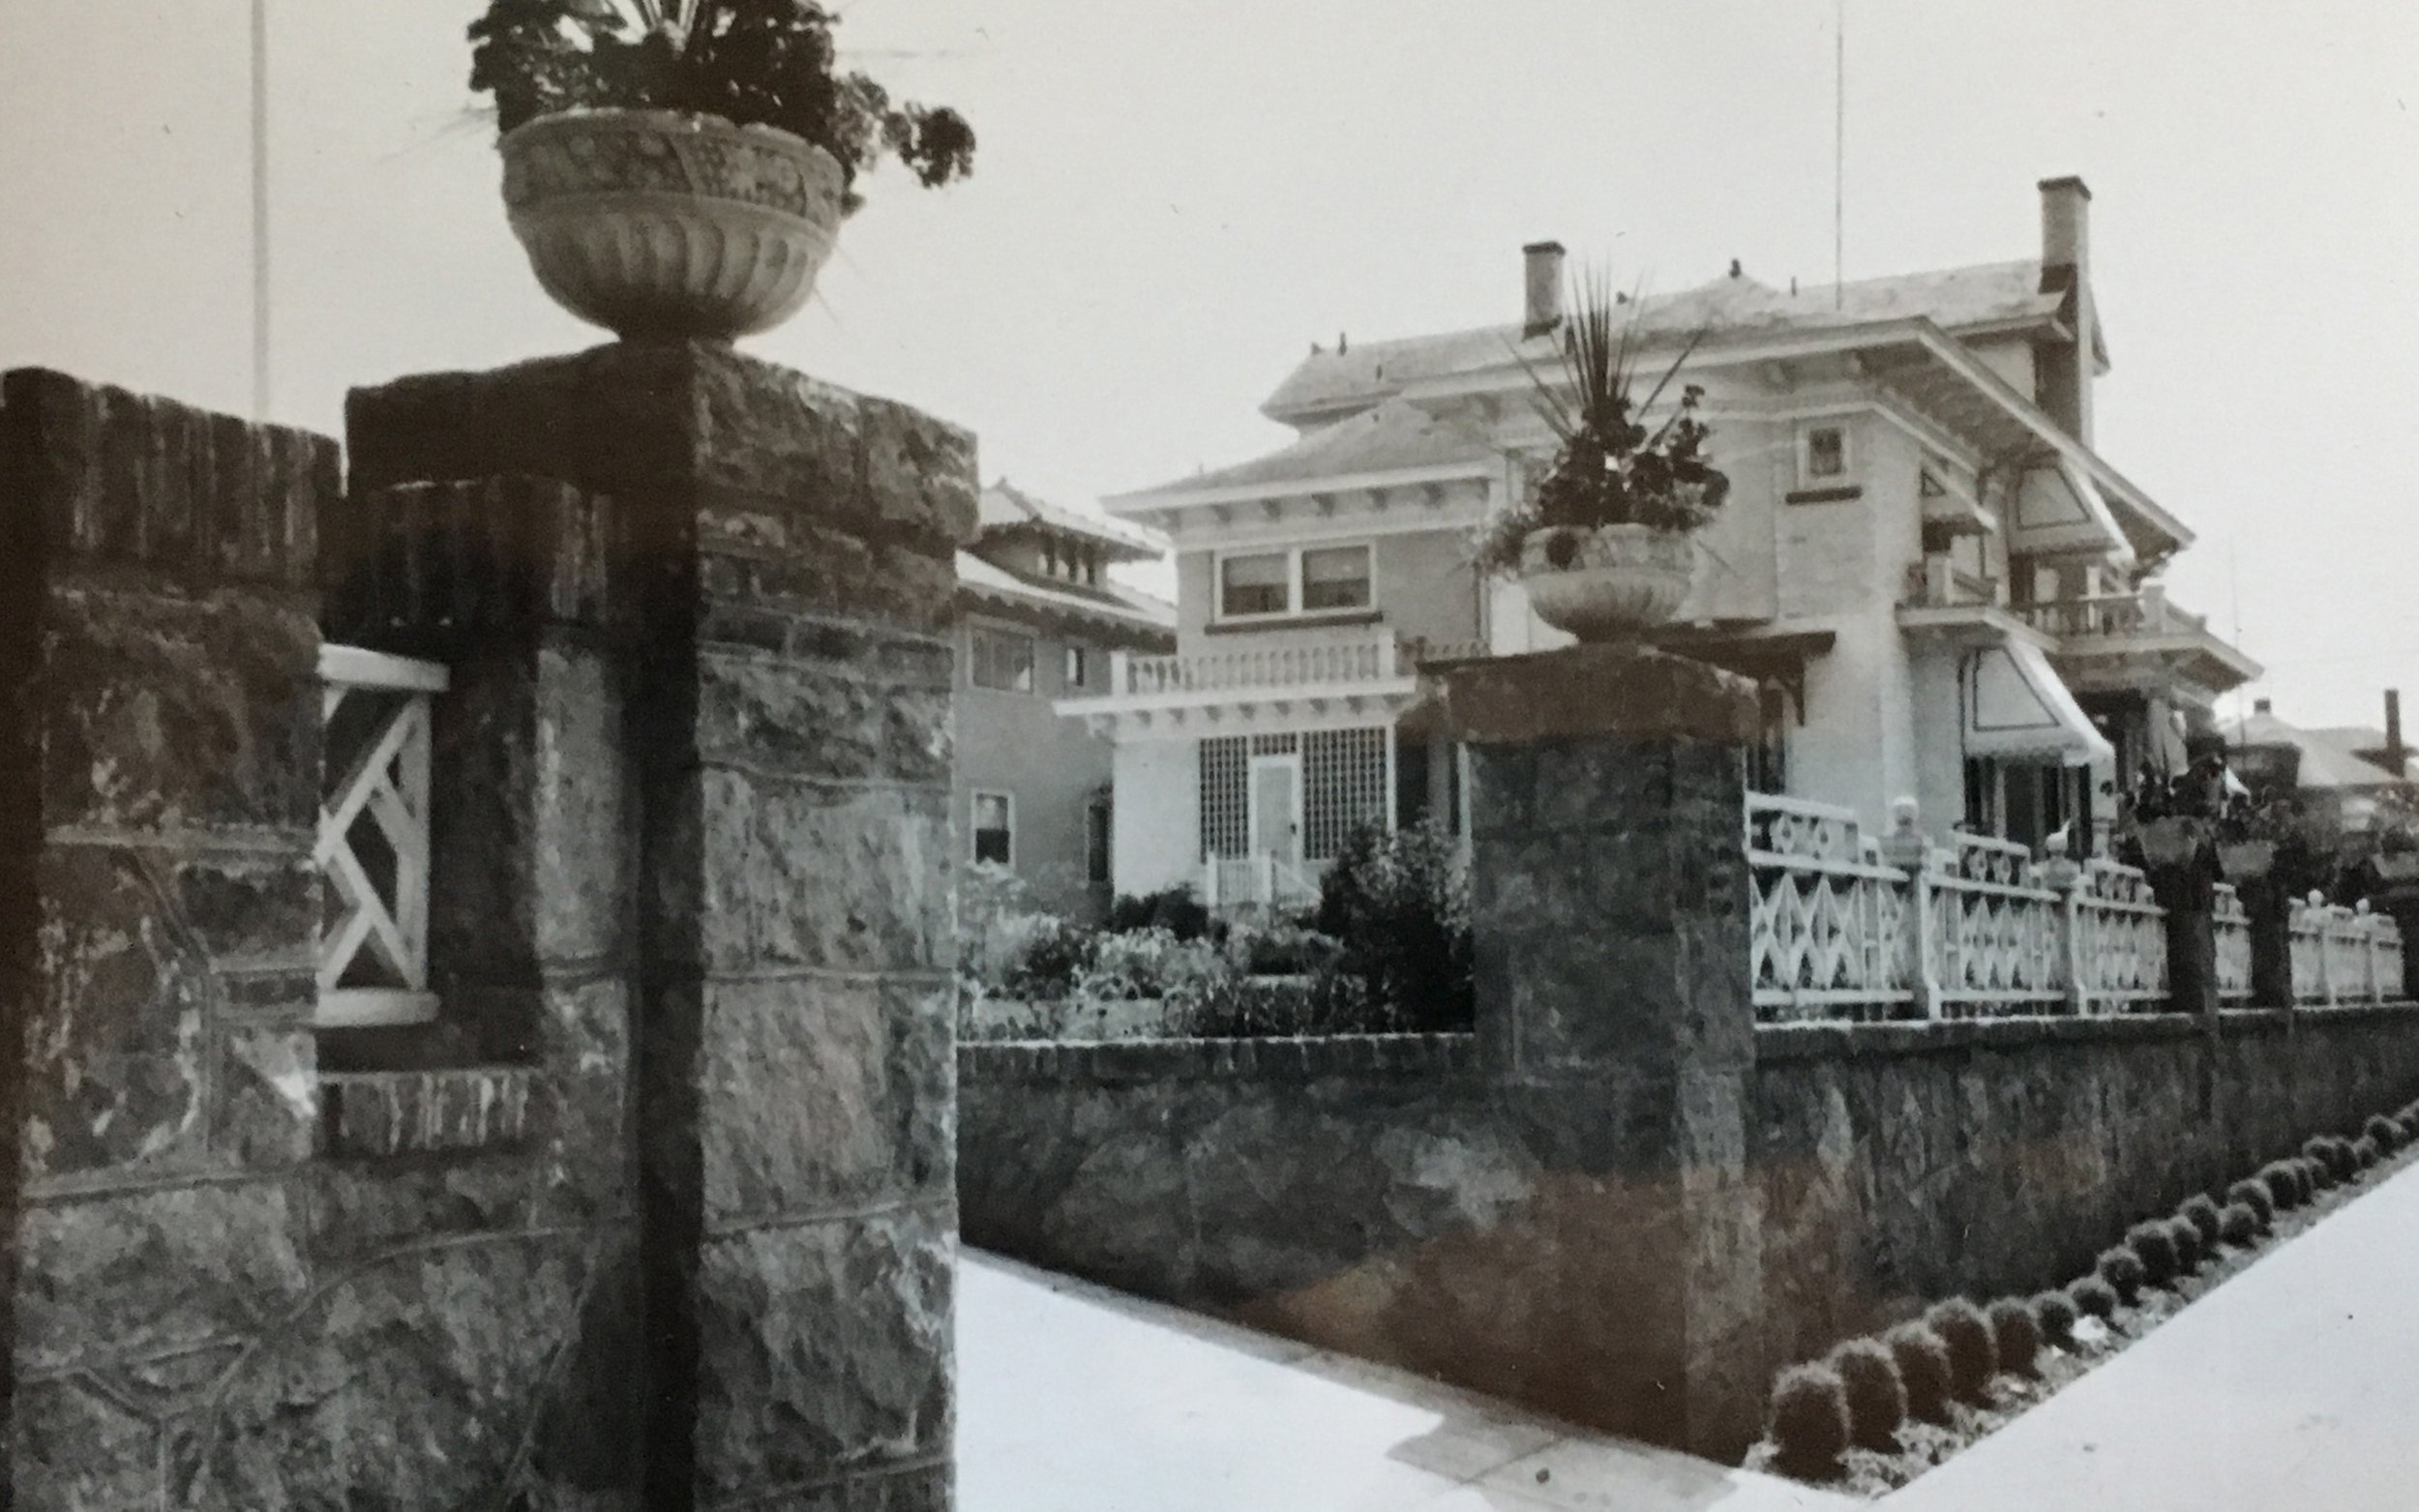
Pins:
<point x="2316" y="1177"/>
<point x="1280" y="950"/>
<point x="1238" y="1008"/>
<point x="2385" y="1131"/>
<point x="2407" y="1120"/>
<point x="2283" y="1183"/>
<point x="2202" y="1214"/>
<point x="1809" y="1425"/>
<point x="1923" y="1369"/>
<point x="2239" y="1225"/>
<point x="2093" y="1297"/>
<point x="1876" y="1394"/>
<point x="1973" y="1352"/>
<point x="1174" y="910"/>
<point x="2368" y="1151"/>
<point x="2189" y="1249"/>
<point x="1041" y="956"/>
<point x="1149" y="963"/>
<point x="2253" y="1196"/>
<point x="2340" y="1153"/>
<point x="2322" y="1149"/>
<point x="2155" y="1247"/>
<point x="2122" y="1270"/>
<point x="2015" y="1334"/>
<point x="1399" y="904"/>
<point x="2056" y="1313"/>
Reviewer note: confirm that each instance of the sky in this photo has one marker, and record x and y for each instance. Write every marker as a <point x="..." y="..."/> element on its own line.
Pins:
<point x="1173" y="199"/>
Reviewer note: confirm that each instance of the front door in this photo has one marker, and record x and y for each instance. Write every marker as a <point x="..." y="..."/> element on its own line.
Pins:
<point x="1277" y="807"/>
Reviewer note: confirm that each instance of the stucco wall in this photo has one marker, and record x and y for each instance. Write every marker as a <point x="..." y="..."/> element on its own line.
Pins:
<point x="1157" y="842"/>
<point x="1016" y="743"/>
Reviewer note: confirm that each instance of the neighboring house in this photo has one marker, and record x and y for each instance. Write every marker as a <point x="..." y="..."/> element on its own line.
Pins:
<point x="2339" y="768"/>
<point x="1042" y="620"/>
<point x="1941" y="586"/>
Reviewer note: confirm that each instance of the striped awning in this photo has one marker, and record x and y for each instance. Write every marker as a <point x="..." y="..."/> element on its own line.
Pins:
<point x="2016" y="708"/>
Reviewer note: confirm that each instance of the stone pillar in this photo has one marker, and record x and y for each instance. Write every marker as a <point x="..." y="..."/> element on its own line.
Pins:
<point x="1609" y="890"/>
<point x="2188" y="890"/>
<point x="786" y="695"/>
<point x="159" y="913"/>
<point x="2270" y="911"/>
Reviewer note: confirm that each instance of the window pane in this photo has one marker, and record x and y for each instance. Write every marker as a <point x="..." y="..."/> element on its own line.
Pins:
<point x="1253" y="585"/>
<point x="991" y="828"/>
<point x="1004" y="661"/>
<point x="1096" y="822"/>
<point x="1076" y="666"/>
<point x="1336" y="578"/>
<point x="1826" y="452"/>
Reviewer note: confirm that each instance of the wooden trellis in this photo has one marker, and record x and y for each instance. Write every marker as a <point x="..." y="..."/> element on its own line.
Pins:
<point x="374" y="838"/>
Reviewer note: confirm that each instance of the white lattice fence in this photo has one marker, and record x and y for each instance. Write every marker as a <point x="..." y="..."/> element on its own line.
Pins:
<point x="374" y="838"/>
<point x="1831" y="934"/>
<point x="2232" y="928"/>
<point x="2121" y="940"/>
<point x="1997" y="945"/>
<point x="2343" y="955"/>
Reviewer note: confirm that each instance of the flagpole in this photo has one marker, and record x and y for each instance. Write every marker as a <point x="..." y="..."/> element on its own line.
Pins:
<point x="1839" y="151"/>
<point x="260" y="209"/>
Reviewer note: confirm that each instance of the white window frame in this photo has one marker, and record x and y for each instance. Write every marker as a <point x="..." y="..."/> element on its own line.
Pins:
<point x="974" y="661"/>
<point x="1075" y="669"/>
<point x="1846" y="475"/>
<point x="1293" y="554"/>
<point x="974" y="830"/>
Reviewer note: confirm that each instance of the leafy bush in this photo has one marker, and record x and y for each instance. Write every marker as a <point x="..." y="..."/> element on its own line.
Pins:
<point x="2015" y="1333"/>
<point x="1876" y="1395"/>
<point x="2056" y="1313"/>
<point x="2188" y="1246"/>
<point x="1973" y="1349"/>
<point x="2283" y="1183"/>
<point x="2320" y="1148"/>
<point x="1923" y="1361"/>
<point x="2340" y="1154"/>
<point x="2253" y="1196"/>
<point x="1235" y="1008"/>
<point x="2093" y="1297"/>
<point x="2385" y="1131"/>
<point x="2368" y="1151"/>
<point x="2122" y="1270"/>
<point x="1399" y="903"/>
<point x="2202" y="1214"/>
<point x="2155" y="1247"/>
<point x="1149" y="963"/>
<point x="1044" y="953"/>
<point x="1809" y="1426"/>
<point x="751" y="62"/>
<point x="2314" y="1177"/>
<point x="2407" y="1121"/>
<point x="1281" y="950"/>
<point x="2239" y="1225"/>
<point x="1174" y="910"/>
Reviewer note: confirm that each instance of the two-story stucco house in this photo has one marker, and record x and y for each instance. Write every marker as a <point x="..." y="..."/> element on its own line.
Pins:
<point x="1040" y="620"/>
<point x="1944" y="588"/>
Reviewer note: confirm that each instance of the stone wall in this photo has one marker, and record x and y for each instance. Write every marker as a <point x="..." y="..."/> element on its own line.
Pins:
<point x="658" y="1212"/>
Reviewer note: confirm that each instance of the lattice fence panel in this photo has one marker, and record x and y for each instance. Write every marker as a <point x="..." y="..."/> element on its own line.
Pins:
<point x="1225" y="799"/>
<point x="1343" y="787"/>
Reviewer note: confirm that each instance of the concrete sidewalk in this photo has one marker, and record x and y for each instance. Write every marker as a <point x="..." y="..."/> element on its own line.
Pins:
<point x="1073" y="1399"/>
<point x="2293" y="1385"/>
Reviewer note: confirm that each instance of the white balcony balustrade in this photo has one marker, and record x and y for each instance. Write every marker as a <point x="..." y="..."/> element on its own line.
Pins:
<point x="2343" y="955"/>
<point x="1291" y="663"/>
<point x="374" y="838"/>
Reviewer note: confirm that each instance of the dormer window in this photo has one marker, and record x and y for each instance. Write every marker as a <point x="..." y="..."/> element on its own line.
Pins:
<point x="1822" y="454"/>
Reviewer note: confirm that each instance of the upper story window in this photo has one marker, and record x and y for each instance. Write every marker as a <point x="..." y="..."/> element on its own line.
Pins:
<point x="1003" y="659"/>
<point x="1823" y="458"/>
<point x="1319" y="579"/>
<point x="1077" y="666"/>
<point x="994" y="828"/>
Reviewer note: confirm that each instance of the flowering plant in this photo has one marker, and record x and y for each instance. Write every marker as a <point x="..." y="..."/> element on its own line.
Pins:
<point x="751" y="62"/>
<point x="1610" y="468"/>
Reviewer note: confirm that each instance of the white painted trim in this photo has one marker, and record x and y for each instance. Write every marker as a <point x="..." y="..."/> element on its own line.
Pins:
<point x="1152" y="502"/>
<point x="356" y="666"/>
<point x="1402" y="520"/>
<point x="973" y="831"/>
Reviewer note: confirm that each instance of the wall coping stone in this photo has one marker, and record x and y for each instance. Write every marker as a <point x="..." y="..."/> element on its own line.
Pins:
<point x="1588" y="690"/>
<point x="1784" y="1043"/>
<point x="1270" y="1059"/>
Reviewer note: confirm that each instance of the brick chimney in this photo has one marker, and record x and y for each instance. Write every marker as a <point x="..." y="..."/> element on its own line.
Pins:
<point x="1543" y="267"/>
<point x="2063" y="371"/>
<point x="2396" y="755"/>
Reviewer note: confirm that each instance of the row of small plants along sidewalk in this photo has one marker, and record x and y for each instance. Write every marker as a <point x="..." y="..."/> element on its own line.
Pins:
<point x="1385" y="950"/>
<point x="1875" y="1412"/>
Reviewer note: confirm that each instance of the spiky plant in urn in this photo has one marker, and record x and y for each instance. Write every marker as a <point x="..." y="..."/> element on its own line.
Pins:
<point x="680" y="169"/>
<point x="1603" y="545"/>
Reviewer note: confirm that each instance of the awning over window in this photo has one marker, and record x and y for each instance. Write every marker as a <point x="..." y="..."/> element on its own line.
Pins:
<point x="2017" y="709"/>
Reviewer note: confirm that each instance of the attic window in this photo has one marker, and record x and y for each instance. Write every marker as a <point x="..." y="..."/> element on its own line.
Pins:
<point x="1822" y="454"/>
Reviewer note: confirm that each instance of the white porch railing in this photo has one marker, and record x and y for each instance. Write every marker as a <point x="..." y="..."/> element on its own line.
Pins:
<point x="1845" y="927"/>
<point x="1379" y="657"/>
<point x="1262" y="881"/>
<point x="374" y="838"/>
<point x="2343" y="955"/>
<point x="2144" y="614"/>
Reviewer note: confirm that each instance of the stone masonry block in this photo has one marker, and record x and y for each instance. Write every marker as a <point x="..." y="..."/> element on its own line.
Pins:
<point x="820" y="719"/>
<point x="441" y="569"/>
<point x="821" y="1095"/>
<point x="94" y="475"/>
<point x="76" y="1449"/>
<point x="825" y="1350"/>
<point x="1596" y="692"/>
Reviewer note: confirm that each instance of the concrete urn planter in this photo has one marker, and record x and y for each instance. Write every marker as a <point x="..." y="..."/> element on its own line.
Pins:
<point x="2247" y="860"/>
<point x="654" y="224"/>
<point x="2171" y="842"/>
<point x="1615" y="582"/>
